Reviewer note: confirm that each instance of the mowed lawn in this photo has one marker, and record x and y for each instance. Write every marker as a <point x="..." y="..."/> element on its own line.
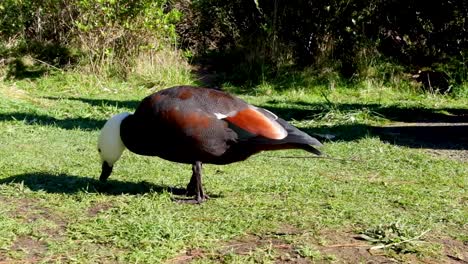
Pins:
<point x="374" y="197"/>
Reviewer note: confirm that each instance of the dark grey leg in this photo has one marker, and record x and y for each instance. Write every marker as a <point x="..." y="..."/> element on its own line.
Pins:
<point x="197" y="172"/>
<point x="195" y="186"/>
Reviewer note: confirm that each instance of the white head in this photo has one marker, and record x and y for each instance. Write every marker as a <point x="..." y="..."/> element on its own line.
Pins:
<point x="110" y="145"/>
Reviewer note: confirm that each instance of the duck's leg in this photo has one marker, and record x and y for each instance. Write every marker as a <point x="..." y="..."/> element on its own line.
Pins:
<point x="195" y="186"/>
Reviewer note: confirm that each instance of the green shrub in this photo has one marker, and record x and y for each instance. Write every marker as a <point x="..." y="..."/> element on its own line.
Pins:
<point x="254" y="36"/>
<point x="105" y="36"/>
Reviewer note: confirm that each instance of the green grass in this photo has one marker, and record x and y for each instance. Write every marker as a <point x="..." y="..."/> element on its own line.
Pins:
<point x="53" y="209"/>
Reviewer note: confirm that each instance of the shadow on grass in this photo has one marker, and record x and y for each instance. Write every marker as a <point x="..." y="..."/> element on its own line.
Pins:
<point x="445" y="128"/>
<point x="131" y="104"/>
<point x="69" y="184"/>
<point x="69" y="123"/>
<point x="450" y="137"/>
<point x="303" y="110"/>
<point x="45" y="120"/>
<point x="453" y="136"/>
<point x="300" y="110"/>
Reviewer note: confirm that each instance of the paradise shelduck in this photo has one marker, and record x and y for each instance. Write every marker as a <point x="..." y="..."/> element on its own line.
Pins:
<point x="197" y="125"/>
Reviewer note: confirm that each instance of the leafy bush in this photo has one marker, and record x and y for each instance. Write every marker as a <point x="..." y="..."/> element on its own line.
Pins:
<point x="256" y="35"/>
<point x="107" y="35"/>
<point x="247" y="41"/>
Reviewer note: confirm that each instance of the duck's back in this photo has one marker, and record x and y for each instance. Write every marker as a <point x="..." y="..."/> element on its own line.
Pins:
<point x="180" y="124"/>
<point x="187" y="124"/>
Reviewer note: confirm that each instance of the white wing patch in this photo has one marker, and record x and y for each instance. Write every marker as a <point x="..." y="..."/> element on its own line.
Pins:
<point x="220" y="116"/>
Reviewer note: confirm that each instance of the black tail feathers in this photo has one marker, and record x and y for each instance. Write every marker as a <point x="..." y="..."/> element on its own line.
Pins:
<point x="310" y="149"/>
<point x="297" y="136"/>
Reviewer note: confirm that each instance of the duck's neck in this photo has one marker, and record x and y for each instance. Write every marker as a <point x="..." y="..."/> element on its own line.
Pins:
<point x="110" y="144"/>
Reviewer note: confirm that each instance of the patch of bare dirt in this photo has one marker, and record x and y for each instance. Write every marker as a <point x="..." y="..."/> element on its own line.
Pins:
<point x="245" y="246"/>
<point x="98" y="208"/>
<point x="455" y="251"/>
<point x="461" y="155"/>
<point x="341" y="246"/>
<point x="32" y="248"/>
<point x="286" y="252"/>
<point x="347" y="248"/>
<point x="29" y="210"/>
<point x="335" y="246"/>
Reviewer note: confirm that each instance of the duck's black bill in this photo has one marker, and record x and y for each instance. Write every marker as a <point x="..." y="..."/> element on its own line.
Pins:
<point x="106" y="172"/>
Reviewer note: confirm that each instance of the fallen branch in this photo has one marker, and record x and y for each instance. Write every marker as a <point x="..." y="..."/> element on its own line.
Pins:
<point x="348" y="245"/>
<point x="401" y="242"/>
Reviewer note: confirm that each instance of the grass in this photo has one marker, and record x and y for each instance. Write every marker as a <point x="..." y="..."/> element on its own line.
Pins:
<point x="268" y="208"/>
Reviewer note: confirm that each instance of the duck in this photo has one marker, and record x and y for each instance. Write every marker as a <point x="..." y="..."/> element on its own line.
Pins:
<point x="196" y="126"/>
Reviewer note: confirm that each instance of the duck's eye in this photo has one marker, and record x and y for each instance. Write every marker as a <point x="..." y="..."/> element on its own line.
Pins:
<point x="99" y="150"/>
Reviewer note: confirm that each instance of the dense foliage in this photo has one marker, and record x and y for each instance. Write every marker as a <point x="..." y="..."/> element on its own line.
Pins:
<point x="101" y="32"/>
<point x="416" y="33"/>
<point x="247" y="39"/>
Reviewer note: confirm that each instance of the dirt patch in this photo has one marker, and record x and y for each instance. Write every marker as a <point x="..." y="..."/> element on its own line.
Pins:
<point x="455" y="251"/>
<point x="347" y="248"/>
<point x="248" y="245"/>
<point x="327" y="246"/>
<point x="285" y="252"/>
<point x="187" y="257"/>
<point x="287" y="229"/>
<point x="29" y="210"/>
<point x="98" y="208"/>
<point x="461" y="155"/>
<point x="32" y="248"/>
<point x="341" y="246"/>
